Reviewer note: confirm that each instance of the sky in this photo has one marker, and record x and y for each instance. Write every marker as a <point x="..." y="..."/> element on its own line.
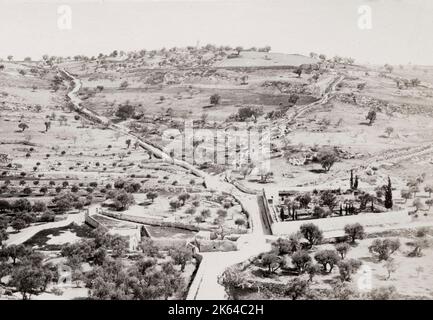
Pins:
<point x="401" y="30"/>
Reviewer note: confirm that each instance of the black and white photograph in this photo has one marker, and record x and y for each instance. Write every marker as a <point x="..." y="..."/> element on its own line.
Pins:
<point x="216" y="150"/>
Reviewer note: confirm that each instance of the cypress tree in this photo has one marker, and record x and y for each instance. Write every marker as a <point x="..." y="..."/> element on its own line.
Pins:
<point x="351" y="179"/>
<point x="355" y="184"/>
<point x="388" y="195"/>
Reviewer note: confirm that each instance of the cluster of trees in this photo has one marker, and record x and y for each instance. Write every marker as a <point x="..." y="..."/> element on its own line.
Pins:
<point x="121" y="198"/>
<point x="149" y="276"/>
<point x="67" y="200"/>
<point x="413" y="188"/>
<point x="301" y="259"/>
<point x="405" y="83"/>
<point x="325" y="203"/>
<point x="295" y="250"/>
<point x="144" y="280"/>
<point x="20" y="213"/>
<point x="28" y="273"/>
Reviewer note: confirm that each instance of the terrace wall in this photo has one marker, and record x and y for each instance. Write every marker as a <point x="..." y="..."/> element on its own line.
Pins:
<point x="337" y="223"/>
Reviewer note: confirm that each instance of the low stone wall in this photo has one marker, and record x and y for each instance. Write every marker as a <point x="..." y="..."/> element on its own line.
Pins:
<point x="338" y="223"/>
<point x="150" y="221"/>
<point x="216" y="245"/>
